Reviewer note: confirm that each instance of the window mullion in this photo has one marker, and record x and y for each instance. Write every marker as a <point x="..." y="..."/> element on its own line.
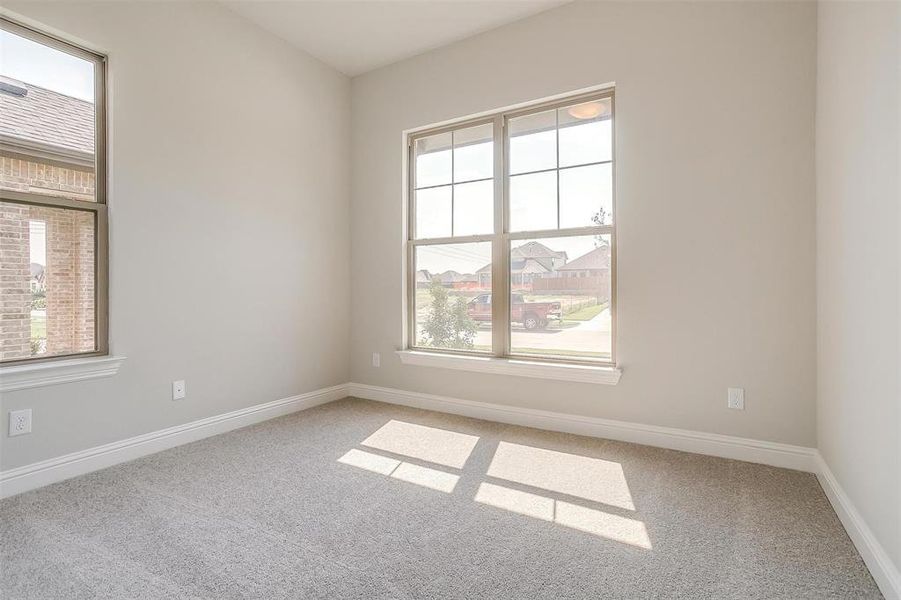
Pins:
<point x="500" y="311"/>
<point x="557" y="152"/>
<point x="453" y="187"/>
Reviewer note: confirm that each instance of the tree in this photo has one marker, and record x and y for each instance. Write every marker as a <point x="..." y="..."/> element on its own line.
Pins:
<point x="448" y="324"/>
<point x="600" y="241"/>
<point x="600" y="218"/>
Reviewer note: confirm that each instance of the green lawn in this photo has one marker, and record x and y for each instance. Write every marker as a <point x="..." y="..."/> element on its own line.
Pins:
<point x="38" y="327"/>
<point x="586" y="313"/>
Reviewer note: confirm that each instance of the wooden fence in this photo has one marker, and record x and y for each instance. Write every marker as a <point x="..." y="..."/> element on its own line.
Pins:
<point x="587" y="285"/>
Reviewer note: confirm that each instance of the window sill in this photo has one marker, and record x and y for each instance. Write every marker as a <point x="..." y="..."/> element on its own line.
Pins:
<point x="510" y="366"/>
<point x="22" y="377"/>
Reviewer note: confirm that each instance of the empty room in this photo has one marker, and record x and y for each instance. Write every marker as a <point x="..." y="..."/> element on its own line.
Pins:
<point x="450" y="299"/>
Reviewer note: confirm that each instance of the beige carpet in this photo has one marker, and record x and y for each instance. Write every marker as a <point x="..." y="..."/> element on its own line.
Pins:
<point x="358" y="499"/>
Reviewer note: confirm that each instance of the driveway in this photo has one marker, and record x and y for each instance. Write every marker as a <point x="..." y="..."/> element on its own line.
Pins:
<point x="586" y="337"/>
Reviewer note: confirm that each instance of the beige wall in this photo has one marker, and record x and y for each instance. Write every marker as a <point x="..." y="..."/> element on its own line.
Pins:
<point x="858" y="258"/>
<point x="715" y="182"/>
<point x="228" y="200"/>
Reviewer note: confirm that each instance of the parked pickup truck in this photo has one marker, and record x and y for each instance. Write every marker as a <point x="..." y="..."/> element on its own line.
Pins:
<point x="532" y="315"/>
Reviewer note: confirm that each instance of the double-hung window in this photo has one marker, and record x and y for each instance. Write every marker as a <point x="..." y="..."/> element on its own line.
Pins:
<point x="53" y="219"/>
<point x="511" y="236"/>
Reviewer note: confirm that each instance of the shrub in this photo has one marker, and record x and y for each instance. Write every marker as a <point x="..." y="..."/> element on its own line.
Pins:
<point x="447" y="324"/>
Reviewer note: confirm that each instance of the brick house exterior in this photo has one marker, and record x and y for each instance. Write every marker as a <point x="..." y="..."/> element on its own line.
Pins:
<point x="46" y="148"/>
<point x="587" y="274"/>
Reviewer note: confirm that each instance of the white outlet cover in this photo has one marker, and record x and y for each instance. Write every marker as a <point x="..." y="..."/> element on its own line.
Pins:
<point x="736" y="398"/>
<point x="376" y="359"/>
<point x="19" y="422"/>
<point x="178" y="389"/>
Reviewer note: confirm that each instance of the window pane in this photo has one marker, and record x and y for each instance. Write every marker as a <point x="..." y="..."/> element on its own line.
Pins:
<point x="474" y="153"/>
<point x="433" y="160"/>
<point x="585" y="133"/>
<point x="533" y="142"/>
<point x="586" y="196"/>
<point x="47" y="269"/>
<point x="433" y="212"/>
<point x="560" y="297"/>
<point x="47" y="119"/>
<point x="453" y="296"/>
<point x="533" y="201"/>
<point x="474" y="208"/>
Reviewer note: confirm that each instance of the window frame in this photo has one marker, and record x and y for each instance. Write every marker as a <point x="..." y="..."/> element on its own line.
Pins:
<point x="501" y="237"/>
<point x="98" y="208"/>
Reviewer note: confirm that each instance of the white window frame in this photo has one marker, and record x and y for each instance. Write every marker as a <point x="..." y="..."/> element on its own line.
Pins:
<point x="501" y="359"/>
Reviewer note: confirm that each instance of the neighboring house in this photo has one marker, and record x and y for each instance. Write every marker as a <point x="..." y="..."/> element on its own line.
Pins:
<point x="446" y="278"/>
<point x="591" y="264"/>
<point x="37" y="277"/>
<point x="47" y="148"/>
<point x="423" y="278"/>
<point x="527" y="262"/>
<point x="46" y="141"/>
<point x="588" y="274"/>
<point x="453" y="279"/>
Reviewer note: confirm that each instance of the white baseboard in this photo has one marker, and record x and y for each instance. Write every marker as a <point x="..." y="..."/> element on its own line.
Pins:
<point x="884" y="571"/>
<point x="712" y="444"/>
<point x="35" y="475"/>
<point x="22" y="479"/>
<point x="770" y="453"/>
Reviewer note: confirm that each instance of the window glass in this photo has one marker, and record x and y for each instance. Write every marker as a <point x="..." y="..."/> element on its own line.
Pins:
<point x="48" y="281"/>
<point x="53" y="213"/>
<point x="586" y="196"/>
<point x="433" y="160"/>
<point x="533" y="142"/>
<point x="561" y="170"/>
<point x="454" y="187"/>
<point x="473" y="208"/>
<point x="452" y="296"/>
<point x="474" y="153"/>
<point x="560" y="300"/>
<point x="558" y="215"/>
<point x="585" y="133"/>
<point x="533" y="201"/>
<point x="433" y="212"/>
<point x="47" y="112"/>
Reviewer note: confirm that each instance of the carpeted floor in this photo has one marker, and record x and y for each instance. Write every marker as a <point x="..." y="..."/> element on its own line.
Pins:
<point x="358" y="499"/>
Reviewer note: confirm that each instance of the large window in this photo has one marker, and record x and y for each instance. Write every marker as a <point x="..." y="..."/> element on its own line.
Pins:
<point x="511" y="234"/>
<point x="52" y="198"/>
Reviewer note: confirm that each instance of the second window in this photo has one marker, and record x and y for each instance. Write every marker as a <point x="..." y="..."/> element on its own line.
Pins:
<point x="511" y="245"/>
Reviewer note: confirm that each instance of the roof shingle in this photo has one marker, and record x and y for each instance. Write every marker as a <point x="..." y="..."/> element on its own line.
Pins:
<point x="47" y="117"/>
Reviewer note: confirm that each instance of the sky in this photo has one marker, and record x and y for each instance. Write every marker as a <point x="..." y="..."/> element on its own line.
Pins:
<point x="37" y="233"/>
<point x="46" y="67"/>
<point x="28" y="61"/>
<point x="470" y="257"/>
<point x="457" y="199"/>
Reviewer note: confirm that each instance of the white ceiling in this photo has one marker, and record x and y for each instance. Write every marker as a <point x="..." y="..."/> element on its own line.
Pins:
<point x="356" y="36"/>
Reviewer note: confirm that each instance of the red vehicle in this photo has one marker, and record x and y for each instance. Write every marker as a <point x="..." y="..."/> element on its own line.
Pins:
<point x="532" y="315"/>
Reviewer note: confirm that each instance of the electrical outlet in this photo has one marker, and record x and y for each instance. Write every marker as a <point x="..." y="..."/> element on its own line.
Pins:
<point x="376" y="359"/>
<point x="178" y="389"/>
<point x="19" y="422"/>
<point x="736" y="398"/>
